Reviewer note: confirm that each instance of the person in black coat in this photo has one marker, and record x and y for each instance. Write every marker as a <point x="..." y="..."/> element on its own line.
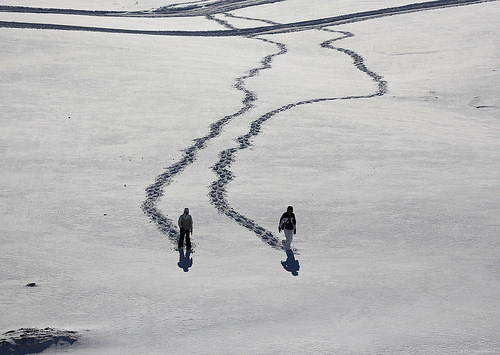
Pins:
<point x="186" y="226"/>
<point x="288" y="224"/>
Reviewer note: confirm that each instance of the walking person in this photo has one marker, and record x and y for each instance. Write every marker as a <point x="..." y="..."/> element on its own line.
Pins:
<point x="288" y="224"/>
<point x="186" y="226"/>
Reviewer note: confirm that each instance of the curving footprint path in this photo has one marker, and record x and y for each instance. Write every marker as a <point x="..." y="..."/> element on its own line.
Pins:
<point x="206" y="8"/>
<point x="155" y="191"/>
<point x="218" y="189"/>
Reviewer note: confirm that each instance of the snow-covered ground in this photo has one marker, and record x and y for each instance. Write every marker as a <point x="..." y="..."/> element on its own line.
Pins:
<point x="392" y="166"/>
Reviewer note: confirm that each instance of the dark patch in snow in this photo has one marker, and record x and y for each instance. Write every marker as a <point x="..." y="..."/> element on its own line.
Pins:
<point x="485" y="107"/>
<point x="33" y="340"/>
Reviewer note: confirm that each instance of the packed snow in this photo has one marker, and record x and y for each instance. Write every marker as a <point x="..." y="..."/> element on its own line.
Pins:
<point x="382" y="133"/>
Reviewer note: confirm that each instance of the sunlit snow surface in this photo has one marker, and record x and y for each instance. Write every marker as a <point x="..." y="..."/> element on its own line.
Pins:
<point x="382" y="133"/>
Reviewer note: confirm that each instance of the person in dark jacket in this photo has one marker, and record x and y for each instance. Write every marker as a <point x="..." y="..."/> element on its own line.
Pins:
<point x="288" y="224"/>
<point x="186" y="226"/>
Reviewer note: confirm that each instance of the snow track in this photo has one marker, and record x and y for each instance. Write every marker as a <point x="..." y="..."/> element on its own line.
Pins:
<point x="279" y="28"/>
<point x="218" y="188"/>
<point x="227" y="157"/>
<point x="187" y="9"/>
<point x="155" y="191"/>
<point x="218" y="191"/>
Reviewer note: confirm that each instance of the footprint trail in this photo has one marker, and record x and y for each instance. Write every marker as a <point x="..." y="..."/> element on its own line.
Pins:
<point x="155" y="191"/>
<point x="218" y="188"/>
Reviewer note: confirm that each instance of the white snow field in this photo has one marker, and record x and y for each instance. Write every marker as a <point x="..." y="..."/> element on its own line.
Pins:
<point x="384" y="134"/>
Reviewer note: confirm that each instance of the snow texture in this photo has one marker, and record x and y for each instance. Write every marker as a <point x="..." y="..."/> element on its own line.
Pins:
<point x="377" y="120"/>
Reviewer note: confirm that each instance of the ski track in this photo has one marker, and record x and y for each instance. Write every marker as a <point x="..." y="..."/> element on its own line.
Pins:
<point x="218" y="191"/>
<point x="220" y="7"/>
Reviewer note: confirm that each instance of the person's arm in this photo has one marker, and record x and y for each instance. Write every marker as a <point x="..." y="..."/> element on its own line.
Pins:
<point x="191" y="223"/>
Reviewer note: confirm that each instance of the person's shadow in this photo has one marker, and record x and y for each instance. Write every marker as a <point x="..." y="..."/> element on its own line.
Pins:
<point x="185" y="261"/>
<point x="290" y="264"/>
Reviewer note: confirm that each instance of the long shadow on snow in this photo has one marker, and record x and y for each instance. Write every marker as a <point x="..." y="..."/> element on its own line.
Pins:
<point x="291" y="264"/>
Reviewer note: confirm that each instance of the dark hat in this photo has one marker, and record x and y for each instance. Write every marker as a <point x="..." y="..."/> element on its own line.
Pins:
<point x="289" y="208"/>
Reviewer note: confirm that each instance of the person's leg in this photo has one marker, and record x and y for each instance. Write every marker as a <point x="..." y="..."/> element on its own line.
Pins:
<point x="181" y="239"/>
<point x="188" y="241"/>
<point x="289" y="237"/>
